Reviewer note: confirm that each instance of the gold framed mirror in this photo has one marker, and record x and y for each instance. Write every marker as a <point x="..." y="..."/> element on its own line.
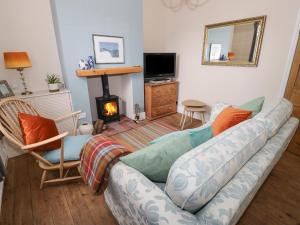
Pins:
<point x="233" y="43"/>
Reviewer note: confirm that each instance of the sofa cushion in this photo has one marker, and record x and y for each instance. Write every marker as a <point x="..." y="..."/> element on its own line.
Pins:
<point x="180" y="133"/>
<point x="156" y="160"/>
<point x="217" y="109"/>
<point x="199" y="174"/>
<point x="276" y="116"/>
<point x="228" y="118"/>
<point x="255" y="105"/>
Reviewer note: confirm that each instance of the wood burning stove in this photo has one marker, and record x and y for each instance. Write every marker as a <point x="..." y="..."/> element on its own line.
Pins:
<point x="107" y="105"/>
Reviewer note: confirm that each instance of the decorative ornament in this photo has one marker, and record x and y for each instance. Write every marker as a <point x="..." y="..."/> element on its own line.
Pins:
<point x="176" y="5"/>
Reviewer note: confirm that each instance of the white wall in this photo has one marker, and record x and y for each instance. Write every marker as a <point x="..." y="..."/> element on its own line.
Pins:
<point x="184" y="31"/>
<point x="28" y="26"/>
<point x="154" y="26"/>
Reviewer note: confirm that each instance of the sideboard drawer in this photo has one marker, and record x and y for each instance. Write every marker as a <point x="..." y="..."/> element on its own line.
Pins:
<point x="164" y="100"/>
<point x="159" y="92"/>
<point x="164" y="110"/>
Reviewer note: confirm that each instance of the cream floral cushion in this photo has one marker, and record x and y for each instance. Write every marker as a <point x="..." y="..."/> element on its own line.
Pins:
<point x="217" y="109"/>
<point x="199" y="174"/>
<point x="276" y="116"/>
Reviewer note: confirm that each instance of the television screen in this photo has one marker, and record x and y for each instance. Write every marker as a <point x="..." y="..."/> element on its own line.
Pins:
<point x="159" y="65"/>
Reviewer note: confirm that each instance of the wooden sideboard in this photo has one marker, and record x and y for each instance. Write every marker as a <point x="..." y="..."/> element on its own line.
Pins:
<point x="160" y="99"/>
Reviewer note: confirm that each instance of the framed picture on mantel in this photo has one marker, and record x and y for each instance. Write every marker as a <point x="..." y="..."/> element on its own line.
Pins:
<point x="5" y="90"/>
<point x="108" y="49"/>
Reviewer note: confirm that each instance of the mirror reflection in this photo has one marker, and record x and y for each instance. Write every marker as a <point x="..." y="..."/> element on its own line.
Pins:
<point x="234" y="43"/>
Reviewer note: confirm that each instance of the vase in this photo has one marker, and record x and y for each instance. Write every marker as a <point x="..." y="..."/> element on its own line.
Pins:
<point x="231" y="56"/>
<point x="83" y="64"/>
<point x="53" y="87"/>
<point x="86" y="128"/>
<point x="91" y="62"/>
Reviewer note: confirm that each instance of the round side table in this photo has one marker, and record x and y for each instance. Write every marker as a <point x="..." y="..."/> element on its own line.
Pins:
<point x="193" y="103"/>
<point x="190" y="108"/>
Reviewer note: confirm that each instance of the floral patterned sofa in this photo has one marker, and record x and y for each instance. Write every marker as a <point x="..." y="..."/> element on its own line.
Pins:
<point x="135" y="200"/>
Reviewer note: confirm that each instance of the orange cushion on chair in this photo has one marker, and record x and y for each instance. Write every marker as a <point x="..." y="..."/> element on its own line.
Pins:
<point x="228" y="118"/>
<point x="36" y="129"/>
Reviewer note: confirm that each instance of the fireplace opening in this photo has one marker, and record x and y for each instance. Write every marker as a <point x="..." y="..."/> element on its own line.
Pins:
<point x="108" y="108"/>
<point x="107" y="105"/>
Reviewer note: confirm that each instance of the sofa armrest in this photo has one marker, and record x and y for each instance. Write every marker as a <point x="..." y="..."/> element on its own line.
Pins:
<point x="133" y="197"/>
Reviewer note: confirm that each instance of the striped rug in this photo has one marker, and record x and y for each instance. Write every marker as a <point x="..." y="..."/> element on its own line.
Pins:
<point x="139" y="137"/>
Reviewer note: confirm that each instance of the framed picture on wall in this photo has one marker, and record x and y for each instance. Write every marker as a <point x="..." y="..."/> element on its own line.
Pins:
<point x="108" y="49"/>
<point x="5" y="90"/>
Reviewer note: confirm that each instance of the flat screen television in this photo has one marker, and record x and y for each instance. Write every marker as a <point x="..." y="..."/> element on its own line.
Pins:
<point x="159" y="65"/>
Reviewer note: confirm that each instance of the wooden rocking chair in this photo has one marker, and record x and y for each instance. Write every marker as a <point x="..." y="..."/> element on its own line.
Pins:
<point x="10" y="127"/>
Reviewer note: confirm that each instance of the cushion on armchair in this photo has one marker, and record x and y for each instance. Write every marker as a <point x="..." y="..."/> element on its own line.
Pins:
<point x="72" y="149"/>
<point x="36" y="128"/>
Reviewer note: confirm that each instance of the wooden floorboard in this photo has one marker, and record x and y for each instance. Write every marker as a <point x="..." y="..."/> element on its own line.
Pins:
<point x="278" y="200"/>
<point x="276" y="203"/>
<point x="42" y="213"/>
<point x="7" y="209"/>
<point x="23" y="213"/>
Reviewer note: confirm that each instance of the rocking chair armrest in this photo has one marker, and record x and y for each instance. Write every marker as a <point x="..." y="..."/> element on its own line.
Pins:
<point x="47" y="141"/>
<point x="67" y="116"/>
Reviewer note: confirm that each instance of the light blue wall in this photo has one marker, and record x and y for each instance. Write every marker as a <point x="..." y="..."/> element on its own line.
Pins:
<point x="76" y="20"/>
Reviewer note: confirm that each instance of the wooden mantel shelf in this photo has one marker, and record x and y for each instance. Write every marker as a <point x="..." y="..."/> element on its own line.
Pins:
<point x="109" y="71"/>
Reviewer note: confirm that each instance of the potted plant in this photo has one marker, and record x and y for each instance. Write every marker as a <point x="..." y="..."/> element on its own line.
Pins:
<point x="53" y="81"/>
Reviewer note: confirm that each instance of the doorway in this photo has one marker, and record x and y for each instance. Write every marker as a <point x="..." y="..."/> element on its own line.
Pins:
<point x="292" y="93"/>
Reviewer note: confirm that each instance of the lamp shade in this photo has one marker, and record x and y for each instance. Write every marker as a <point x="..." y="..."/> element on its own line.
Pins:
<point x="16" y="60"/>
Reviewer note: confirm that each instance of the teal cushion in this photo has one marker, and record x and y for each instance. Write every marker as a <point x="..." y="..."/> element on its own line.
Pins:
<point x="167" y="136"/>
<point x="156" y="160"/>
<point x="200" y="136"/>
<point x="179" y="133"/>
<point x="254" y="105"/>
<point x="72" y="149"/>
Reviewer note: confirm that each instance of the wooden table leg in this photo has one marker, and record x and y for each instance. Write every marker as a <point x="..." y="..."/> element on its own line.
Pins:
<point x="202" y="118"/>
<point x="182" y="116"/>
<point x="192" y="117"/>
<point x="185" y="116"/>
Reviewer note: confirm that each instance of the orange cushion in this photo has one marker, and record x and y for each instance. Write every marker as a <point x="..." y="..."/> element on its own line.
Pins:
<point x="36" y="129"/>
<point x="228" y="118"/>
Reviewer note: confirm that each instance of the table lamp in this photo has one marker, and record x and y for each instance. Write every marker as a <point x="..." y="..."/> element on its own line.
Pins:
<point x="18" y="61"/>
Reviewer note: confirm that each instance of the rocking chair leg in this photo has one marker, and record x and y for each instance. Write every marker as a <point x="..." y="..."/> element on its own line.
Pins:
<point x="43" y="179"/>
<point x="61" y="172"/>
